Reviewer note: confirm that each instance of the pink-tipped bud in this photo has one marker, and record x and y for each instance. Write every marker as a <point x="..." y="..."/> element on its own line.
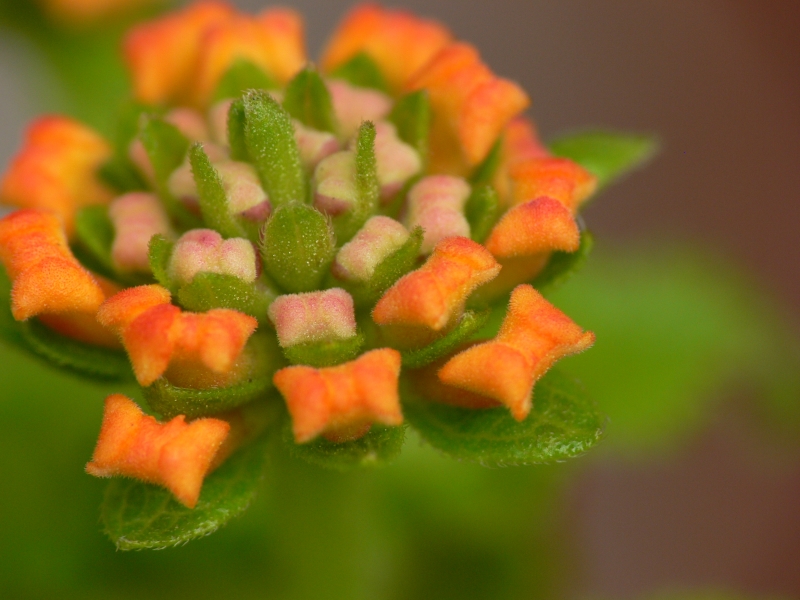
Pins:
<point x="335" y="178"/>
<point x="313" y="145"/>
<point x="242" y="185"/>
<point x="396" y="161"/>
<point x="137" y="217"/>
<point x="313" y="317"/>
<point x="353" y="105"/>
<point x="189" y="122"/>
<point x="436" y="204"/>
<point x="377" y="239"/>
<point x="204" y="251"/>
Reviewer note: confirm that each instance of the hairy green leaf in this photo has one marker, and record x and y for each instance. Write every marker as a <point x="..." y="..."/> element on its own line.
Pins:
<point x="166" y="148"/>
<point x="380" y="446"/>
<point x="220" y="290"/>
<point x="212" y="196"/>
<point x="236" y="127"/>
<point x="325" y="354"/>
<point x="564" y="423"/>
<point x="298" y="247"/>
<point x="138" y="515"/>
<point x="412" y="117"/>
<point x="608" y="155"/>
<point x="563" y="265"/>
<point x="470" y="322"/>
<point x="242" y="75"/>
<point x="482" y="211"/>
<point x="64" y="352"/>
<point x="120" y="174"/>
<point x="269" y="138"/>
<point x="95" y="232"/>
<point x="308" y="100"/>
<point x="361" y="71"/>
<point x="159" y="252"/>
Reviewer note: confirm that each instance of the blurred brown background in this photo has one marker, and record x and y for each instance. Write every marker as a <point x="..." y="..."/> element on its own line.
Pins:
<point x="718" y="81"/>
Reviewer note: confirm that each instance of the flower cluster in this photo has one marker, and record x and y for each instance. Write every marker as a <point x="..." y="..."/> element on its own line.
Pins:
<point x="349" y="235"/>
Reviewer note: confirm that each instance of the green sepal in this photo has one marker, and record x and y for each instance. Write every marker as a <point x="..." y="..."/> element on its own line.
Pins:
<point x="159" y="251"/>
<point x="607" y="155"/>
<point x="367" y="186"/>
<point x="140" y="516"/>
<point x="236" y="136"/>
<point x="166" y="148"/>
<point x="94" y="231"/>
<point x="388" y="271"/>
<point x="266" y="358"/>
<point x="269" y="139"/>
<point x="380" y="446"/>
<point x="470" y="322"/>
<point x="485" y="171"/>
<point x="563" y="423"/>
<point x="64" y="352"/>
<point x="220" y="290"/>
<point x="325" y="354"/>
<point x="411" y="116"/>
<point x="9" y="326"/>
<point x="308" y="100"/>
<point x="242" y="75"/>
<point x="298" y="246"/>
<point x="119" y="173"/>
<point x="482" y="211"/>
<point x="361" y="71"/>
<point x="212" y="197"/>
<point x="563" y="265"/>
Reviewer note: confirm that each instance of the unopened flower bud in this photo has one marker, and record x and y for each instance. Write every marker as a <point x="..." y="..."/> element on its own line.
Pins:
<point x="137" y="217"/>
<point x="436" y="204"/>
<point x="313" y="145"/>
<point x="335" y="179"/>
<point x="377" y="239"/>
<point x="354" y="105"/>
<point x="313" y="317"/>
<point x="205" y="251"/>
<point x="396" y="161"/>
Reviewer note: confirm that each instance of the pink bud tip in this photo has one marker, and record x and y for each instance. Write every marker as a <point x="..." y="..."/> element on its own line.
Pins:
<point x="313" y="317"/>
<point x="353" y="105"/>
<point x="377" y="239"/>
<point x="137" y="217"/>
<point x="436" y="204"/>
<point x="335" y="178"/>
<point x="204" y="250"/>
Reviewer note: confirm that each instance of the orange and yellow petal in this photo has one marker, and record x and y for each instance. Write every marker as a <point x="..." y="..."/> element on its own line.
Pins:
<point x="471" y="107"/>
<point x="520" y="142"/>
<point x="399" y="42"/>
<point x="156" y="333"/>
<point x="46" y="277"/>
<point x="272" y="41"/>
<point x="432" y="296"/>
<point x="558" y="178"/>
<point x="342" y="402"/>
<point x="56" y="169"/>
<point x="176" y="455"/>
<point x="533" y="336"/>
<point x="162" y="54"/>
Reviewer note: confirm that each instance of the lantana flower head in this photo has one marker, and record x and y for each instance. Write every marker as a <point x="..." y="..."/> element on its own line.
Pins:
<point x="351" y="241"/>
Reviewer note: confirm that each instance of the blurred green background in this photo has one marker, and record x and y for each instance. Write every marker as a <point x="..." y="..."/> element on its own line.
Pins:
<point x="697" y="361"/>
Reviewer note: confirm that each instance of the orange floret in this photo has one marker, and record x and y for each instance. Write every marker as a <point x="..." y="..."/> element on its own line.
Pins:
<point x="180" y="58"/>
<point x="558" y="178"/>
<point x="56" y="169"/>
<point x="399" y="42"/>
<point x="176" y="455"/>
<point x="432" y="296"/>
<point x="471" y="106"/>
<point x="156" y="333"/>
<point x="272" y="40"/>
<point x="534" y="335"/>
<point x="342" y="402"/>
<point x="536" y="227"/>
<point x="162" y="54"/>
<point x="520" y="143"/>
<point x="46" y="277"/>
